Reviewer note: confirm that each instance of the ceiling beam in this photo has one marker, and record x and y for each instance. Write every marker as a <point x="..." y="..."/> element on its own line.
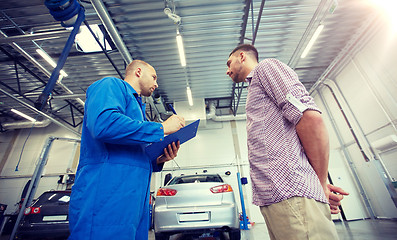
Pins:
<point x="235" y="99"/>
<point x="33" y="37"/>
<point x="258" y="21"/>
<point x="40" y="112"/>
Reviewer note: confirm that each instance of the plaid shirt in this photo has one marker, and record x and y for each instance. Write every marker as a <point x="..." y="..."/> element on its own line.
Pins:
<point x="278" y="164"/>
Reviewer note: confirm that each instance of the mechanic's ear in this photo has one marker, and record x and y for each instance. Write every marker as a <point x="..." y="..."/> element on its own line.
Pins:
<point x="138" y="72"/>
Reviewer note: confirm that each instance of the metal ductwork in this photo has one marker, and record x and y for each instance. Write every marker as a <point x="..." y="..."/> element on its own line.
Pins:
<point x="25" y="124"/>
<point x="112" y="30"/>
<point x="212" y="115"/>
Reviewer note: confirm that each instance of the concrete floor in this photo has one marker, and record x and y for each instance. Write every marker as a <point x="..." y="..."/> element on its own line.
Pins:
<point x="367" y="230"/>
<point x="351" y="230"/>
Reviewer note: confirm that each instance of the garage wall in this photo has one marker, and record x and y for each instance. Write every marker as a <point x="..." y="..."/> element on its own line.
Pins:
<point x="219" y="147"/>
<point x="60" y="158"/>
<point x="366" y="90"/>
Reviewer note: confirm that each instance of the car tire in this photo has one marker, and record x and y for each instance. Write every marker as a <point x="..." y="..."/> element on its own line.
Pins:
<point x="235" y="234"/>
<point x="161" y="236"/>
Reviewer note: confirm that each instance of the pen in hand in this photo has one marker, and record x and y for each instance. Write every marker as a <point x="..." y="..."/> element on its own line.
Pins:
<point x="173" y="123"/>
<point x="170" y="106"/>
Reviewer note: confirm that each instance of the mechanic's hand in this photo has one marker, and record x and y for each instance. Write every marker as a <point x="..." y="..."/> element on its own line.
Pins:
<point x="170" y="153"/>
<point x="335" y="197"/>
<point x="173" y="124"/>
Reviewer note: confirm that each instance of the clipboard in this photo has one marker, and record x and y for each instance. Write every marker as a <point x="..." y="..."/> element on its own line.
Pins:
<point x="154" y="150"/>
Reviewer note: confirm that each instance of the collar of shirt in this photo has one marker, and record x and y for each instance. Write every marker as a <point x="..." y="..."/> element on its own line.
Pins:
<point x="139" y="99"/>
<point x="250" y="75"/>
<point x="136" y="95"/>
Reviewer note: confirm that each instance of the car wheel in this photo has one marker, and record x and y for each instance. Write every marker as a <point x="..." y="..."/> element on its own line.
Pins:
<point x="235" y="234"/>
<point x="161" y="236"/>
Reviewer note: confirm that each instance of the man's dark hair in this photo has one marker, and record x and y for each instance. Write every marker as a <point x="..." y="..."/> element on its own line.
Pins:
<point x="246" y="48"/>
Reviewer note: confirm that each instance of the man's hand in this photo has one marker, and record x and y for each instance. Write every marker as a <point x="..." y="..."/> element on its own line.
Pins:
<point x="334" y="197"/>
<point x="173" y="124"/>
<point x="170" y="153"/>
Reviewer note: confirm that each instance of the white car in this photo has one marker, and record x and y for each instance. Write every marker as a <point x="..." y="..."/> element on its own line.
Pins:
<point x="196" y="204"/>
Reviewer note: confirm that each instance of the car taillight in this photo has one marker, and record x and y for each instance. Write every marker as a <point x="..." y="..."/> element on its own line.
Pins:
<point x="35" y="210"/>
<point x="221" y="189"/>
<point x="166" y="192"/>
<point x="32" y="210"/>
<point x="27" y="211"/>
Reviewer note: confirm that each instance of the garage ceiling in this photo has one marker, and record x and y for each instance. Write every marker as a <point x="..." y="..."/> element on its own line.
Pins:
<point x="210" y="30"/>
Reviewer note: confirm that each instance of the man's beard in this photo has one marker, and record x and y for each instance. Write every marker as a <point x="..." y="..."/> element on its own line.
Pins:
<point x="237" y="78"/>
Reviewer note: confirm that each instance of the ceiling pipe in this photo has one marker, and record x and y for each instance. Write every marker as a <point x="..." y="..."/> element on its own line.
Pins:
<point x="58" y="97"/>
<point x="111" y="28"/>
<point x="25" y="124"/>
<point x="211" y="115"/>
<point x="69" y="96"/>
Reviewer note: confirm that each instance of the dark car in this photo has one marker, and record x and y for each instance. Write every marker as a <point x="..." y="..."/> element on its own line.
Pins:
<point x="47" y="217"/>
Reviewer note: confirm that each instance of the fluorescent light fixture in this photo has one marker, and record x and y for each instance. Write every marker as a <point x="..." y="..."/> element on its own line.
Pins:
<point x="333" y="7"/>
<point x="181" y="49"/>
<point x="87" y="42"/>
<point x="312" y="41"/>
<point x="189" y="96"/>
<point x="50" y="60"/>
<point x="23" y="115"/>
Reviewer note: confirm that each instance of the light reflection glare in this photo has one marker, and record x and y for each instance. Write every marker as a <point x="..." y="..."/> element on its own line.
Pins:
<point x="388" y="8"/>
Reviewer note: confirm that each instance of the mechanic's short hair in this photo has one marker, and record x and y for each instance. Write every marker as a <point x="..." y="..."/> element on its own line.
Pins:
<point x="134" y="65"/>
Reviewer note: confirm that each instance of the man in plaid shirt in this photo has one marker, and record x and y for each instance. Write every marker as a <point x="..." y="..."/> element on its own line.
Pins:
<point x="288" y="149"/>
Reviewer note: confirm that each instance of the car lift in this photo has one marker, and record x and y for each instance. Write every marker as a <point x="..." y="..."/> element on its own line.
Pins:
<point x="36" y="179"/>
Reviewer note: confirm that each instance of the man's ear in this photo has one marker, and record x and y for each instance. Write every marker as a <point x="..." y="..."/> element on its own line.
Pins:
<point x="138" y="72"/>
<point x="242" y="56"/>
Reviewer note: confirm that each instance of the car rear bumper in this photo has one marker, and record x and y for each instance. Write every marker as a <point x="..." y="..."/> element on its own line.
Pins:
<point x="43" y="231"/>
<point x="195" y="218"/>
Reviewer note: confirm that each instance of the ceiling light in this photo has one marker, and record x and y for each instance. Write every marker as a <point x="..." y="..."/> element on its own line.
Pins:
<point x="311" y="42"/>
<point x="189" y="96"/>
<point x="181" y="49"/>
<point x="50" y="60"/>
<point x="86" y="41"/>
<point x="23" y="115"/>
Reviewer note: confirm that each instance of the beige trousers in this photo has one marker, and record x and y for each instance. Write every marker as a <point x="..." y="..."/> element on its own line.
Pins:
<point x="299" y="218"/>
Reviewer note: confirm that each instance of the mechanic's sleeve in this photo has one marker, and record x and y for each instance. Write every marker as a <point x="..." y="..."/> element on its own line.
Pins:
<point x="106" y="117"/>
<point x="281" y="83"/>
